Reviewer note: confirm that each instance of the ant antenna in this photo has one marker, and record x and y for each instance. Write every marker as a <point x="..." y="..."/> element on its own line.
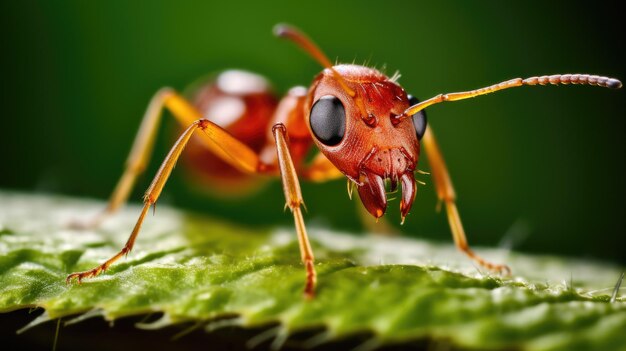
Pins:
<point x="555" y="79"/>
<point x="293" y="34"/>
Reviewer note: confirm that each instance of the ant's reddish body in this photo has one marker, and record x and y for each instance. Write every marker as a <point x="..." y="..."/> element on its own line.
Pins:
<point x="365" y="125"/>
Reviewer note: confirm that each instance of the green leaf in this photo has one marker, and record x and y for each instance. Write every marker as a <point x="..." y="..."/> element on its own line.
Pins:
<point x="194" y="268"/>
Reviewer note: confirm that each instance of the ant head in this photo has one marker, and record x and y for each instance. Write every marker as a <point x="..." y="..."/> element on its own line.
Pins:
<point x="356" y="117"/>
<point x="361" y="120"/>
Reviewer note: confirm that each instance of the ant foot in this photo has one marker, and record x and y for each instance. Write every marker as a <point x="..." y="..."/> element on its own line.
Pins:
<point x="500" y="269"/>
<point x="86" y="274"/>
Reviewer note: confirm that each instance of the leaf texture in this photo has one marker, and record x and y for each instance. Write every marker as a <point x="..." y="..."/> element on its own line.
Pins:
<point x="200" y="269"/>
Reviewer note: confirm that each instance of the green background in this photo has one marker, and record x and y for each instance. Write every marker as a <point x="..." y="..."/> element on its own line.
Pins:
<point x="544" y="162"/>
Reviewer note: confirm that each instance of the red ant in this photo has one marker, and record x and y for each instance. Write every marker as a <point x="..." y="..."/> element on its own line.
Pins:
<point x="364" y="123"/>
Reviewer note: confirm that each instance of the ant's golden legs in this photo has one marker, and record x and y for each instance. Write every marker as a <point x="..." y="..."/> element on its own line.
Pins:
<point x="293" y="197"/>
<point x="141" y="150"/>
<point x="246" y="158"/>
<point x="447" y="195"/>
<point x="218" y="138"/>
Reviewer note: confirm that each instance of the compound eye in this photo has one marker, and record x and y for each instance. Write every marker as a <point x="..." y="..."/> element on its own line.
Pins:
<point x="419" y="119"/>
<point x="328" y="120"/>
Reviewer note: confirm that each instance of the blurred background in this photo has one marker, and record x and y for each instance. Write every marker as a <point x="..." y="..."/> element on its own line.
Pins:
<point x="546" y="163"/>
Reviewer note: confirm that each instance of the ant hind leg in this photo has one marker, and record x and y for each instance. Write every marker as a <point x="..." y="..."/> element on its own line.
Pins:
<point x="447" y="195"/>
<point x="238" y="154"/>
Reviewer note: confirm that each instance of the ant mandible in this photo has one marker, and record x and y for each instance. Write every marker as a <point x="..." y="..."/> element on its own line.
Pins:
<point x="363" y="122"/>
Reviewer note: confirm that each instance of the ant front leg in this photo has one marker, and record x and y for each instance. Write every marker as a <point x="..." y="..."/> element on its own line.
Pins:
<point x="226" y="146"/>
<point x="447" y="195"/>
<point x="293" y="197"/>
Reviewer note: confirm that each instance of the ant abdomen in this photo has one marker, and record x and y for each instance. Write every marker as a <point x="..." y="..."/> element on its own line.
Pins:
<point x="242" y="103"/>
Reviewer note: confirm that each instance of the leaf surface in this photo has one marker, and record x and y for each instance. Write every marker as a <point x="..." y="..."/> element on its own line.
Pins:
<point x="195" y="268"/>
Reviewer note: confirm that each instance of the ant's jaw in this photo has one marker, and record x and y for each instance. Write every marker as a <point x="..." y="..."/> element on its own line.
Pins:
<point x="374" y="196"/>
<point x="396" y="166"/>
<point x="372" y="193"/>
<point x="409" y="189"/>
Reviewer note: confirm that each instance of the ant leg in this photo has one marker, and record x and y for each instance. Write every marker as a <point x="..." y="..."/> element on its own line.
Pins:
<point x="141" y="150"/>
<point x="215" y="135"/>
<point x="447" y="195"/>
<point x="293" y="196"/>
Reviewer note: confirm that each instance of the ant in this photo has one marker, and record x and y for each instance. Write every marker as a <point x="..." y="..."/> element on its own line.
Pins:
<point x="366" y="126"/>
